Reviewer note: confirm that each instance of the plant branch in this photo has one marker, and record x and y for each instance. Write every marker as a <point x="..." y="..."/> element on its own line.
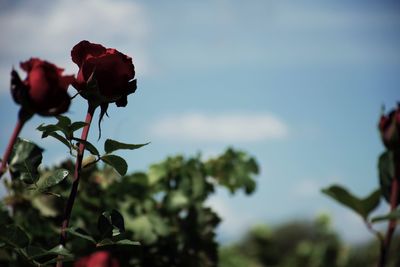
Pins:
<point x="394" y="196"/>
<point x="75" y="183"/>
<point x="22" y="118"/>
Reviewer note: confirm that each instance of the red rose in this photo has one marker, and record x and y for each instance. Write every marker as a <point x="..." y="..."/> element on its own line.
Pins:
<point x="112" y="72"/>
<point x="44" y="91"/>
<point x="389" y="127"/>
<point x="97" y="259"/>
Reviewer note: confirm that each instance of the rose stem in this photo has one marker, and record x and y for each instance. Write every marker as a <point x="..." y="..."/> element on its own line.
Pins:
<point x="75" y="183"/>
<point x="22" y="118"/>
<point x="393" y="205"/>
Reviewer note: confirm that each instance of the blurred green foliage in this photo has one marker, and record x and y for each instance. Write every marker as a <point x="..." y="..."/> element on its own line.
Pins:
<point x="302" y="244"/>
<point x="163" y="209"/>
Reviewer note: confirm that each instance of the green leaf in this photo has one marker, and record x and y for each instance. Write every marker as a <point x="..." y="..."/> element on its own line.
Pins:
<point x="127" y="242"/>
<point x="47" y="129"/>
<point x="104" y="226"/>
<point x="47" y="181"/>
<point x="394" y="215"/>
<point x="112" y="145"/>
<point x="61" y="139"/>
<point x="123" y="242"/>
<point x="386" y="173"/>
<point x="111" y="224"/>
<point x="25" y="160"/>
<point x="64" y="123"/>
<point x="118" y="163"/>
<point x="80" y="233"/>
<point x="363" y="207"/>
<point x="15" y="236"/>
<point x="176" y="200"/>
<point x="88" y="146"/>
<point x="57" y="250"/>
<point x="76" y="126"/>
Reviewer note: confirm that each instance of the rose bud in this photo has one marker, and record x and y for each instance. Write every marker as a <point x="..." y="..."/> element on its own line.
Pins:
<point x="389" y="127"/>
<point x="105" y="75"/>
<point x="97" y="259"/>
<point x="44" y="91"/>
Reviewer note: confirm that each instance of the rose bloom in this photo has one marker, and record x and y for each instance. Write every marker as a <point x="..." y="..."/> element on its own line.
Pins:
<point x="112" y="72"/>
<point x="44" y="91"/>
<point x="389" y="127"/>
<point x="97" y="259"/>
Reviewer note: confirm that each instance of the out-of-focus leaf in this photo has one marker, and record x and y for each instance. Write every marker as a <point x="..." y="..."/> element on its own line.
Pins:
<point x="15" y="236"/>
<point x="112" y="145"/>
<point x="234" y="170"/>
<point x="394" y="215"/>
<point x="47" y="181"/>
<point x="57" y="250"/>
<point x="386" y="173"/>
<point x="118" y="163"/>
<point x="25" y="160"/>
<point x="123" y="242"/>
<point x="176" y="200"/>
<point x="363" y="207"/>
<point x="111" y="224"/>
<point x="80" y="233"/>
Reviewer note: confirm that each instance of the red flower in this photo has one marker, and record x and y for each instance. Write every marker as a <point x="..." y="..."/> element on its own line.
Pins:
<point x="44" y="91"/>
<point x="112" y="72"/>
<point x="389" y="127"/>
<point x="97" y="259"/>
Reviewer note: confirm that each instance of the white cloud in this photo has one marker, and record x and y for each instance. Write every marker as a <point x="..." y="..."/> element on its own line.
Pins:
<point x="229" y="127"/>
<point x="51" y="31"/>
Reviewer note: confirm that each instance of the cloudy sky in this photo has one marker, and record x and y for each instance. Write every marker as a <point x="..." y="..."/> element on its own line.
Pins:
<point x="298" y="84"/>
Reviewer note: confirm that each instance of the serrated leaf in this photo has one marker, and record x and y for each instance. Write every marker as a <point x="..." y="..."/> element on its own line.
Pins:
<point x="25" y="160"/>
<point x="394" y="215"/>
<point x="363" y="207"/>
<point x="80" y="233"/>
<point x="15" y="236"/>
<point x="118" y="163"/>
<point x="112" y="145"/>
<point x="47" y="181"/>
<point x="88" y="146"/>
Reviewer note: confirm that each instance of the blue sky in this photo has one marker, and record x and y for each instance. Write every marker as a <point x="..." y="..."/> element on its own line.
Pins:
<point x="298" y="84"/>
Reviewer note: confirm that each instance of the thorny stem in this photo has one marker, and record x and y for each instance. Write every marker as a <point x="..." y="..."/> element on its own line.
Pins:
<point x="22" y="118"/>
<point x="393" y="205"/>
<point x="75" y="183"/>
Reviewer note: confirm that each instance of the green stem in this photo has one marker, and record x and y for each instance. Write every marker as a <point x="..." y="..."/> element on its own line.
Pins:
<point x="75" y="183"/>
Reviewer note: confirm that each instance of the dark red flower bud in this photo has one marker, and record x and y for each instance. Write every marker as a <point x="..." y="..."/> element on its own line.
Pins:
<point x="97" y="259"/>
<point x="105" y="75"/>
<point x="389" y="127"/>
<point x="44" y="91"/>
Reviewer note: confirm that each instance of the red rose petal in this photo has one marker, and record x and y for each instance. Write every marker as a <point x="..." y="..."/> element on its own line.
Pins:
<point x="83" y="49"/>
